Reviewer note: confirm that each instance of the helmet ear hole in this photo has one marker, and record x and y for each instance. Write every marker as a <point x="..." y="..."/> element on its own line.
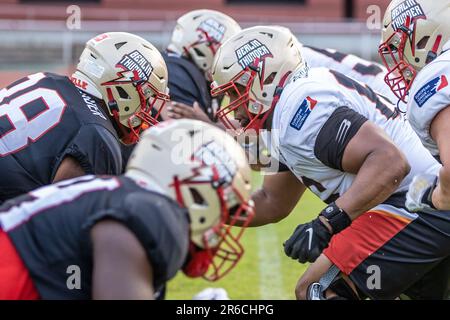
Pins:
<point x="122" y="93"/>
<point x="198" y="52"/>
<point x="197" y="197"/>
<point x="270" y="78"/>
<point x="423" y="42"/>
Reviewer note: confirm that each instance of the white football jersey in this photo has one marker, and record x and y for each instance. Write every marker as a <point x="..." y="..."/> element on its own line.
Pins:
<point x="368" y="72"/>
<point x="429" y="94"/>
<point x="316" y="117"/>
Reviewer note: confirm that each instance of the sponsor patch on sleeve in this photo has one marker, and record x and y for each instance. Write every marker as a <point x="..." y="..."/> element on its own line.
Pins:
<point x="430" y="89"/>
<point x="303" y="113"/>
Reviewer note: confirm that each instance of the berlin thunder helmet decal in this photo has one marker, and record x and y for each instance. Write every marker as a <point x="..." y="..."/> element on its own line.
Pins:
<point x="409" y="8"/>
<point x="214" y="154"/>
<point x="214" y="30"/>
<point x="253" y="51"/>
<point x="135" y="67"/>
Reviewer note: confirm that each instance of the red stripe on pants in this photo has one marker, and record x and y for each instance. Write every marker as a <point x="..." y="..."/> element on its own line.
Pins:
<point x="367" y="234"/>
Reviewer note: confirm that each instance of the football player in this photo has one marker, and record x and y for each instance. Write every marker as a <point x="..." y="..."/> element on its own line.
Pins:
<point x="346" y="144"/>
<point x="367" y="72"/>
<point x="53" y="127"/>
<point x="123" y="237"/>
<point x="195" y="40"/>
<point x="415" y="49"/>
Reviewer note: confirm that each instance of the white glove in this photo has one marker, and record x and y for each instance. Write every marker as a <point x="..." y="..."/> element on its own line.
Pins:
<point x="212" y="294"/>
<point x="420" y="191"/>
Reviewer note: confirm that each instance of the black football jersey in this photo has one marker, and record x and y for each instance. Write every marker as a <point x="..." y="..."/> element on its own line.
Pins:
<point x="187" y="83"/>
<point x="44" y="118"/>
<point x="50" y="229"/>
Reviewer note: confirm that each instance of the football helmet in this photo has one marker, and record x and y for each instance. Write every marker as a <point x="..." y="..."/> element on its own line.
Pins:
<point x="198" y="35"/>
<point x="413" y="34"/>
<point x="130" y="75"/>
<point x="252" y="68"/>
<point x="205" y="171"/>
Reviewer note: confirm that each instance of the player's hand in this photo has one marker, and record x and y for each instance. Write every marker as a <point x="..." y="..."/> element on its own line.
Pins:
<point x="308" y="241"/>
<point x="420" y="191"/>
<point x="178" y="110"/>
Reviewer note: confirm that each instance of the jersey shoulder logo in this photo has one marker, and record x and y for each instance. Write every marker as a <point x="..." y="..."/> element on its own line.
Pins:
<point x="303" y="113"/>
<point x="91" y="104"/>
<point x="430" y="89"/>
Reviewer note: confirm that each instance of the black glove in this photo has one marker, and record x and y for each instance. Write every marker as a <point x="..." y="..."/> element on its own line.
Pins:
<point x="308" y="241"/>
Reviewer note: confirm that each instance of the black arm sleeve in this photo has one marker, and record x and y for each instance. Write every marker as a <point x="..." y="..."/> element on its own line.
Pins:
<point x="335" y="135"/>
<point x="182" y="87"/>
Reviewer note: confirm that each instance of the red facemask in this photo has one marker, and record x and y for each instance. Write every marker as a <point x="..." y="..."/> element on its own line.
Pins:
<point x="153" y="102"/>
<point x="244" y="80"/>
<point x="212" y="44"/>
<point x="213" y="263"/>
<point x="400" y="74"/>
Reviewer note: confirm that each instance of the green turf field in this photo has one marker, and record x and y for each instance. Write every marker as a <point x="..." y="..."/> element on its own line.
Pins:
<point x="264" y="272"/>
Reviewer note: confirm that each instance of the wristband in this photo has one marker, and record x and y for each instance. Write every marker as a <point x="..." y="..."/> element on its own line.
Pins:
<point x="336" y="217"/>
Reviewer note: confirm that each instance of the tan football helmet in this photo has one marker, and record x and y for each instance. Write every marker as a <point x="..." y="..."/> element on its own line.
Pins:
<point x="413" y="34"/>
<point x="206" y="171"/>
<point x="130" y="75"/>
<point x="252" y="68"/>
<point x="198" y="35"/>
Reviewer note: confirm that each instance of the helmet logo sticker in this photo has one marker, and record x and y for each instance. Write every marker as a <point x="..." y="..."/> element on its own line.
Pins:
<point x="408" y="8"/>
<point x="134" y="62"/>
<point x="213" y="153"/>
<point x="101" y="37"/>
<point x="214" y="29"/>
<point x="253" y="52"/>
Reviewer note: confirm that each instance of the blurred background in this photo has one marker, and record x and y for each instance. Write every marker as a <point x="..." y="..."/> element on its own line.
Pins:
<point x="49" y="35"/>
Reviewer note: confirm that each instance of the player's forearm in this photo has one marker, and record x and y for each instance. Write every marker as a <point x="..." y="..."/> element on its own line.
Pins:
<point x="441" y="195"/>
<point x="380" y="175"/>
<point x="265" y="211"/>
<point x="440" y="132"/>
<point x="277" y="197"/>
